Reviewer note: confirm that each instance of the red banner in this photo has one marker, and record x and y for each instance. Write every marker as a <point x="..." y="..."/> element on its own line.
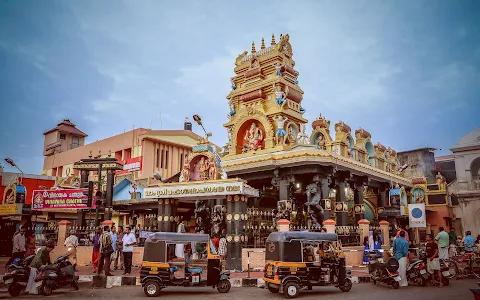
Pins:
<point x="64" y="199"/>
<point x="131" y="165"/>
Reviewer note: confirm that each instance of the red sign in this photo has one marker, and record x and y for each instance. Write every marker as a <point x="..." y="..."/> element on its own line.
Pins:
<point x="65" y="199"/>
<point x="131" y="165"/>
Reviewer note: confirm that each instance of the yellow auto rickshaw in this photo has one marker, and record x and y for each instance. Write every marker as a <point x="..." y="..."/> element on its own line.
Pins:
<point x="298" y="260"/>
<point x="159" y="270"/>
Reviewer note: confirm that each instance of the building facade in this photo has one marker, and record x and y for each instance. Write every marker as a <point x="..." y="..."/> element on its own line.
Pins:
<point x="466" y="188"/>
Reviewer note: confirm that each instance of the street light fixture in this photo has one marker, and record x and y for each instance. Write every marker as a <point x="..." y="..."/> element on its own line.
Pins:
<point x="198" y="119"/>
<point x="12" y="163"/>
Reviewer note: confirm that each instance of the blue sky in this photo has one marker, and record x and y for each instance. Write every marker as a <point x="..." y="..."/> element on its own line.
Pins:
<point x="406" y="71"/>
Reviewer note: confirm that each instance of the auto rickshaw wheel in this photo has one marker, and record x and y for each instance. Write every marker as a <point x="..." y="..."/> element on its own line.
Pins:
<point x="273" y="289"/>
<point x="224" y="286"/>
<point x="291" y="290"/>
<point x="396" y="285"/>
<point x="152" y="288"/>
<point x="347" y="286"/>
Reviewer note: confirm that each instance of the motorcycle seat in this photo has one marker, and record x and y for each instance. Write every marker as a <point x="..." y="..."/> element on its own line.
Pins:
<point x="51" y="267"/>
<point x="195" y="270"/>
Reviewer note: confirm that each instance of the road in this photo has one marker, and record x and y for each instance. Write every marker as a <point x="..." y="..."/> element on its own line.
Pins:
<point x="458" y="290"/>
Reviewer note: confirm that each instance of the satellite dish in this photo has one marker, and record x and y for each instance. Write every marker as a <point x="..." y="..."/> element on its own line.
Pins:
<point x="158" y="176"/>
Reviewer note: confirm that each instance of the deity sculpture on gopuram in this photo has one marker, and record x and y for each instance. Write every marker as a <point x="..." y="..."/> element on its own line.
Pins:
<point x="253" y="138"/>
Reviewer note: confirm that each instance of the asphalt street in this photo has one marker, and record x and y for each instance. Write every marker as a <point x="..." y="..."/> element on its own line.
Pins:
<point x="458" y="290"/>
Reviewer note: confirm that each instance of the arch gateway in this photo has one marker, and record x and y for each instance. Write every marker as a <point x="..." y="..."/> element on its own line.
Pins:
<point x="271" y="168"/>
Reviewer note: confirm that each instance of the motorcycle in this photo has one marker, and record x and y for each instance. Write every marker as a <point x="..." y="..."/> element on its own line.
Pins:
<point x="16" y="276"/>
<point x="417" y="271"/>
<point x="61" y="273"/>
<point x="383" y="272"/>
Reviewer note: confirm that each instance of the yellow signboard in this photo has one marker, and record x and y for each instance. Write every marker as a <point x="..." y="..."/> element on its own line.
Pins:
<point x="8" y="209"/>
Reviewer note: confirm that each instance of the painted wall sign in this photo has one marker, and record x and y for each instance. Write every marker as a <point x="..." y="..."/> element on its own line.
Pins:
<point x="65" y="199"/>
<point x="9" y="209"/>
<point x="205" y="189"/>
<point x="131" y="165"/>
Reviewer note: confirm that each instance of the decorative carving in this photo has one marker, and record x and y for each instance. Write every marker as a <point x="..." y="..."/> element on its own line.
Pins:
<point x="232" y="109"/>
<point x="202" y="216"/>
<point x="217" y="219"/>
<point x="280" y="120"/>
<point x="362" y="134"/>
<point x="292" y="134"/>
<point x="241" y="119"/>
<point x="342" y="127"/>
<point x="302" y="137"/>
<point x="320" y="142"/>
<point x="280" y="97"/>
<point x="238" y="60"/>
<point x="232" y="81"/>
<point x="185" y="176"/>
<point x="253" y="138"/>
<point x="314" y="208"/>
<point x="278" y="69"/>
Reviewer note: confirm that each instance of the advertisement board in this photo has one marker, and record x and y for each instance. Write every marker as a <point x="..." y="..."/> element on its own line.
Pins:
<point x="64" y="199"/>
<point x="417" y="215"/>
<point x="131" y="165"/>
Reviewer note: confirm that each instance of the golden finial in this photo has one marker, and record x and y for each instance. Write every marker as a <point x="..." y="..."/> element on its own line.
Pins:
<point x="273" y="39"/>
<point x="253" y="47"/>
<point x="263" y="44"/>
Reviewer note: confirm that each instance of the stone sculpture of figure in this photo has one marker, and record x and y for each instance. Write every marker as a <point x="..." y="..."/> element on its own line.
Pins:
<point x="439" y="179"/>
<point x="234" y="86"/>
<point x="202" y="215"/>
<point x="229" y="132"/>
<point x="232" y="109"/>
<point x="203" y="168"/>
<point x="283" y="211"/>
<point x="315" y="209"/>
<point x="211" y="170"/>
<point x="291" y="135"/>
<point x="302" y="137"/>
<point x="216" y="220"/>
<point x="253" y="137"/>
<point x="296" y="78"/>
<point x="320" y="141"/>
<point x="255" y="63"/>
<point x="280" y="129"/>
<point x="278" y="69"/>
<point x="302" y="110"/>
<point x="280" y="97"/>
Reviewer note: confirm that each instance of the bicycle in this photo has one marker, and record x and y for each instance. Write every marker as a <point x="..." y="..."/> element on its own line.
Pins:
<point x="469" y="265"/>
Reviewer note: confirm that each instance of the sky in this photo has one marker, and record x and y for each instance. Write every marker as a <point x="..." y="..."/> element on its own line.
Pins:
<point x="406" y="71"/>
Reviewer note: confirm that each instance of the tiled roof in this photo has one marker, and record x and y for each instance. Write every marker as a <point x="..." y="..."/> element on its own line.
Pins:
<point x="67" y="127"/>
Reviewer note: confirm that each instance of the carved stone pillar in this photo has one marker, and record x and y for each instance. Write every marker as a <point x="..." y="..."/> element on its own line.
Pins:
<point x="167" y="218"/>
<point x="324" y="186"/>
<point x="359" y="207"/>
<point x="83" y="185"/>
<point x="341" y="205"/>
<point x="236" y="223"/>
<point x="109" y="195"/>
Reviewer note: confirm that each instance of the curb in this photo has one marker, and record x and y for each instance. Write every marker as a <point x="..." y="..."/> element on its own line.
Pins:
<point x="108" y="282"/>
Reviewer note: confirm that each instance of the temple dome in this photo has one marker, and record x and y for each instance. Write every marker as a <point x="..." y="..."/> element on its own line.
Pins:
<point x="470" y="139"/>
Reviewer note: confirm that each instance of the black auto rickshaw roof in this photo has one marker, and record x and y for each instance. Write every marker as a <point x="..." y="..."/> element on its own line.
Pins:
<point x="177" y="237"/>
<point x="288" y="236"/>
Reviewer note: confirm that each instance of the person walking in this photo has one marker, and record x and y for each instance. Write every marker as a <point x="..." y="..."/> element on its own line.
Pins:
<point x="468" y="242"/>
<point x="222" y="246"/>
<point x="400" y="229"/>
<point x="433" y="262"/>
<point x="400" y="250"/>
<point x="106" y="251"/>
<point x="216" y="241"/>
<point x="128" y="241"/>
<point x="72" y="242"/>
<point x="452" y="236"/>
<point x="119" y="249"/>
<point x="18" y="246"/>
<point x="113" y="235"/>
<point x="443" y="242"/>
<point x="96" y="248"/>
<point x="30" y="244"/>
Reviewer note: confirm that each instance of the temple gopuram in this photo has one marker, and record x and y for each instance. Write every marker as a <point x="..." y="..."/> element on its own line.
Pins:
<point x="272" y="169"/>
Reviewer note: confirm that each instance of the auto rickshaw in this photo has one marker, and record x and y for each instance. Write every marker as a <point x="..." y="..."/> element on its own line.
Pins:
<point x="158" y="268"/>
<point x="296" y="260"/>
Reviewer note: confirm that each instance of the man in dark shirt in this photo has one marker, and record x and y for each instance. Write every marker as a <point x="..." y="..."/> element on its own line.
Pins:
<point x="41" y="258"/>
<point x="433" y="262"/>
<point x="96" y="248"/>
<point x="452" y="236"/>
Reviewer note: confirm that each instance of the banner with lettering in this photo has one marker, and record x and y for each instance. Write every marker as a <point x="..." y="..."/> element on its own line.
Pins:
<point x="131" y="165"/>
<point x="64" y="199"/>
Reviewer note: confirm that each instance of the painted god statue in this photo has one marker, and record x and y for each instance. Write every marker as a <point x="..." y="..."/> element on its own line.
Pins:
<point x="253" y="137"/>
<point x="280" y="97"/>
<point x="278" y="69"/>
<point x="186" y="171"/>
<point x="320" y="142"/>
<point x="211" y="170"/>
<point x="302" y="137"/>
<point x="203" y="168"/>
<point x="280" y="120"/>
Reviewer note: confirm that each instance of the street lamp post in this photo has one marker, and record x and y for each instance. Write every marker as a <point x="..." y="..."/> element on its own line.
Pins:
<point x="12" y="163"/>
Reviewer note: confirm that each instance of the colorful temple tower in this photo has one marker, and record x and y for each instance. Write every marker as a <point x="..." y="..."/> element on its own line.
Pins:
<point x="266" y="110"/>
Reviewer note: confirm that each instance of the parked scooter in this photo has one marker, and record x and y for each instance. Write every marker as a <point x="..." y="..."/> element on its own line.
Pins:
<point x="381" y="272"/>
<point x="16" y="276"/>
<point x="61" y="273"/>
<point x="417" y="271"/>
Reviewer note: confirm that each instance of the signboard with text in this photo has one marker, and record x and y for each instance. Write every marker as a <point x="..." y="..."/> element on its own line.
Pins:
<point x="131" y="165"/>
<point x="64" y="199"/>
<point x="198" y="190"/>
<point x="9" y="209"/>
<point x="417" y="215"/>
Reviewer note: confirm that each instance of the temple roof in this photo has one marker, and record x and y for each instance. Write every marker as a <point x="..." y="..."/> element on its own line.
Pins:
<point x="471" y="139"/>
<point x="67" y="127"/>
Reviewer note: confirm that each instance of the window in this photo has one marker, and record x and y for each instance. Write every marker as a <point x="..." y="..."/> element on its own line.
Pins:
<point x="181" y="162"/>
<point x="63" y="136"/>
<point x="75" y="142"/>
<point x="158" y="158"/>
<point x="166" y="159"/>
<point x="161" y="160"/>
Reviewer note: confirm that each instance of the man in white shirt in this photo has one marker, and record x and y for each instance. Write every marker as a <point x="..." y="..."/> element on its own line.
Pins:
<point x="128" y="241"/>
<point x="72" y="242"/>
<point x="18" y="246"/>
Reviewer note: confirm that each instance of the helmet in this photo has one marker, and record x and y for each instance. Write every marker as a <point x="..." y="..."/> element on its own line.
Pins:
<point x="392" y="264"/>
